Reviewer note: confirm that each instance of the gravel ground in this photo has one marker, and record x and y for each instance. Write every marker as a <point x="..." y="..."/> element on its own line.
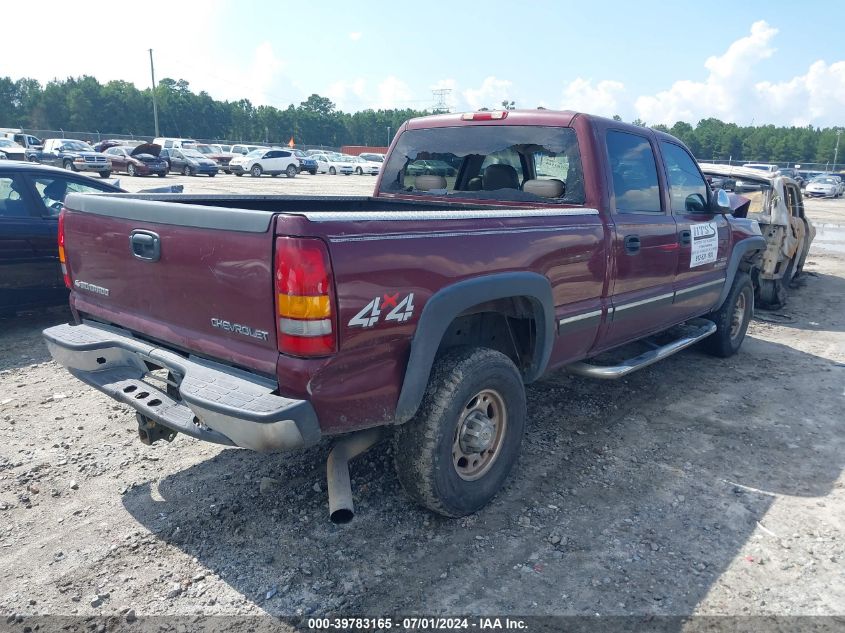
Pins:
<point x="696" y="486"/>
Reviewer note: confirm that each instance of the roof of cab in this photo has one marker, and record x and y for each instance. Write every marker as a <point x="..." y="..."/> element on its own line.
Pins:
<point x="559" y="118"/>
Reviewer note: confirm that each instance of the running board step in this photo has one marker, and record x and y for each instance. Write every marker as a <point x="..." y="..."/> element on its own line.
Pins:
<point x="691" y="332"/>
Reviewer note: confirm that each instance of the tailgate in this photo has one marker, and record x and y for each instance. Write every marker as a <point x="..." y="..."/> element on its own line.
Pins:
<point x="197" y="277"/>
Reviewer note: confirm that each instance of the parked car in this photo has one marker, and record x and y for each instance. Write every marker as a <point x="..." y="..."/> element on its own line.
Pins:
<point x="430" y="167"/>
<point x="266" y="161"/>
<point x="375" y="158"/>
<point x="171" y="142"/>
<point x="427" y="308"/>
<point x="306" y="162"/>
<point x="27" y="141"/>
<point x="243" y="150"/>
<point x="823" y="187"/>
<point x="216" y="153"/>
<point x="189" y="162"/>
<point x="11" y="150"/>
<point x="102" y="146"/>
<point x="72" y="154"/>
<point x="777" y="206"/>
<point x="142" y="160"/>
<point x="791" y="172"/>
<point x="364" y="166"/>
<point x="31" y="197"/>
<point x="333" y="164"/>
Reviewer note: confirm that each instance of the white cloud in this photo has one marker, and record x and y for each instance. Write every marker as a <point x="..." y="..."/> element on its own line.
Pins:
<point x="602" y="99"/>
<point x="726" y="93"/>
<point x="817" y="97"/>
<point x="355" y="36"/>
<point x="490" y="94"/>
<point x="393" y="93"/>
<point x="347" y="93"/>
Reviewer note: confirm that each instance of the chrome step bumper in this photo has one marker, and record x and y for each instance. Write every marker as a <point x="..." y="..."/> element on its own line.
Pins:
<point x="216" y="403"/>
<point x="691" y="332"/>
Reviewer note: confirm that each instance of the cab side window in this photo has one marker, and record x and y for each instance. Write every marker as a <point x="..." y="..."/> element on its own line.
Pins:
<point x="13" y="197"/>
<point x="687" y="188"/>
<point x="634" y="171"/>
<point x="53" y="191"/>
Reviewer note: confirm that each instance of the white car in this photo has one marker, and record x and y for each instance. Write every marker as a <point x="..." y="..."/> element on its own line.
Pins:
<point x="333" y="164"/>
<point x="824" y="187"/>
<point x="11" y="150"/>
<point x="363" y="166"/>
<point x="265" y="161"/>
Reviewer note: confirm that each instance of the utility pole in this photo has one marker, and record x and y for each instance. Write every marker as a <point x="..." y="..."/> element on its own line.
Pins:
<point x="155" y="105"/>
<point x="836" y="150"/>
<point x="388" y="136"/>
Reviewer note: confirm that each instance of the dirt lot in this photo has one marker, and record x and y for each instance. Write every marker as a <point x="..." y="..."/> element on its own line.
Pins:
<point x="696" y="486"/>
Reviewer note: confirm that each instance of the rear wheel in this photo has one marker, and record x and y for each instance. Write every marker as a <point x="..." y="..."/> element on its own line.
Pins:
<point x="731" y="319"/>
<point x="256" y="171"/>
<point x="457" y="451"/>
<point x="162" y="175"/>
<point x="105" y="174"/>
<point x="291" y="171"/>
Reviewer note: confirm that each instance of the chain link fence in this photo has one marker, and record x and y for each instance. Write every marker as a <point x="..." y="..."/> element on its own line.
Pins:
<point x="97" y="136"/>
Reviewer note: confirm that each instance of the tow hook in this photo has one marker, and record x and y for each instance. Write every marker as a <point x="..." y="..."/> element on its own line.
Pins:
<point x="149" y="432"/>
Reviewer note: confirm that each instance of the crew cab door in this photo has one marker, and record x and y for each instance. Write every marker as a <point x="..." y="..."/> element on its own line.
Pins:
<point x="645" y="242"/>
<point x="703" y="238"/>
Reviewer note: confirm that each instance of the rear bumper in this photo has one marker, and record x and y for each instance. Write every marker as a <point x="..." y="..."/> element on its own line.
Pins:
<point x="215" y="402"/>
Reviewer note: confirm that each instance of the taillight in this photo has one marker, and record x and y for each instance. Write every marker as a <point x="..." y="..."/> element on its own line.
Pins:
<point x="62" y="255"/>
<point x="303" y="297"/>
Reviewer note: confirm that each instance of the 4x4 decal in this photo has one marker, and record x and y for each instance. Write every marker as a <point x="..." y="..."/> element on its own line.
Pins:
<point x="400" y="311"/>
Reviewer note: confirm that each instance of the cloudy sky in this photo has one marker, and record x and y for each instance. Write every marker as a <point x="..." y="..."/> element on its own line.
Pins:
<point x="752" y="62"/>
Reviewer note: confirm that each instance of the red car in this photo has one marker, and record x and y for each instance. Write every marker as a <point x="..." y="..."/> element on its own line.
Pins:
<point x="138" y="161"/>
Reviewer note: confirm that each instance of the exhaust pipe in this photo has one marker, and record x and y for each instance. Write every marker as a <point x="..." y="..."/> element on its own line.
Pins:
<point x="341" y="509"/>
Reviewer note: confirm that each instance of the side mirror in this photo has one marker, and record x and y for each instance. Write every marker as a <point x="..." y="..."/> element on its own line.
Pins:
<point x="695" y="203"/>
<point x="720" y="203"/>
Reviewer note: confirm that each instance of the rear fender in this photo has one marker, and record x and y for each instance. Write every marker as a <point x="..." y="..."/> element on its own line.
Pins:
<point x="442" y="308"/>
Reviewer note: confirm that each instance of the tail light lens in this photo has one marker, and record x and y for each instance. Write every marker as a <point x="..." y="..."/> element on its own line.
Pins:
<point x="303" y="279"/>
<point x="62" y="254"/>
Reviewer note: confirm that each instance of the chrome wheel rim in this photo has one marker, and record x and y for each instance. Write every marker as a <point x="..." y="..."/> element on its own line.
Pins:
<point x="479" y="434"/>
<point x="738" y="316"/>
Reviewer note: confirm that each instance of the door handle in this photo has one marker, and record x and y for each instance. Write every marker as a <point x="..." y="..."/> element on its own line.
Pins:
<point x="685" y="237"/>
<point x="145" y="245"/>
<point x="632" y="244"/>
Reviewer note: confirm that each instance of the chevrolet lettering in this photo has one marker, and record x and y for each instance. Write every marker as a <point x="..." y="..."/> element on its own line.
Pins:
<point x="237" y="328"/>
<point x="84" y="285"/>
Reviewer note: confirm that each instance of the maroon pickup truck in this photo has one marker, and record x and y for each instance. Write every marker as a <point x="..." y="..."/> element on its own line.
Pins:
<point x="499" y="246"/>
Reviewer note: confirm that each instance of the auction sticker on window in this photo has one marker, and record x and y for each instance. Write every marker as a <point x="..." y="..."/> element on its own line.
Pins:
<point x="705" y="244"/>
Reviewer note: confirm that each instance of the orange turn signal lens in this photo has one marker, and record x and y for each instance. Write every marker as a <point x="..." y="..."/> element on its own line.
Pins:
<point x="298" y="307"/>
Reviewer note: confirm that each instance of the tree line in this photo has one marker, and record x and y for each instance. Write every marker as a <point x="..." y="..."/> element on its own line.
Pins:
<point x="118" y="107"/>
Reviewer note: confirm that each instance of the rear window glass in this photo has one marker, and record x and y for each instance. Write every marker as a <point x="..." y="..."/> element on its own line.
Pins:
<point x="508" y="163"/>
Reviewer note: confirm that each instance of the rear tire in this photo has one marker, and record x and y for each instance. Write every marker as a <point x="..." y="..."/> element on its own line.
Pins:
<point x="731" y="319"/>
<point x="291" y="171"/>
<point x="162" y="175"/>
<point x="105" y="174"/>
<point x="436" y="461"/>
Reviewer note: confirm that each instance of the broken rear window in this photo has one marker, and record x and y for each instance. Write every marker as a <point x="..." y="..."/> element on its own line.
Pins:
<point x="501" y="162"/>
